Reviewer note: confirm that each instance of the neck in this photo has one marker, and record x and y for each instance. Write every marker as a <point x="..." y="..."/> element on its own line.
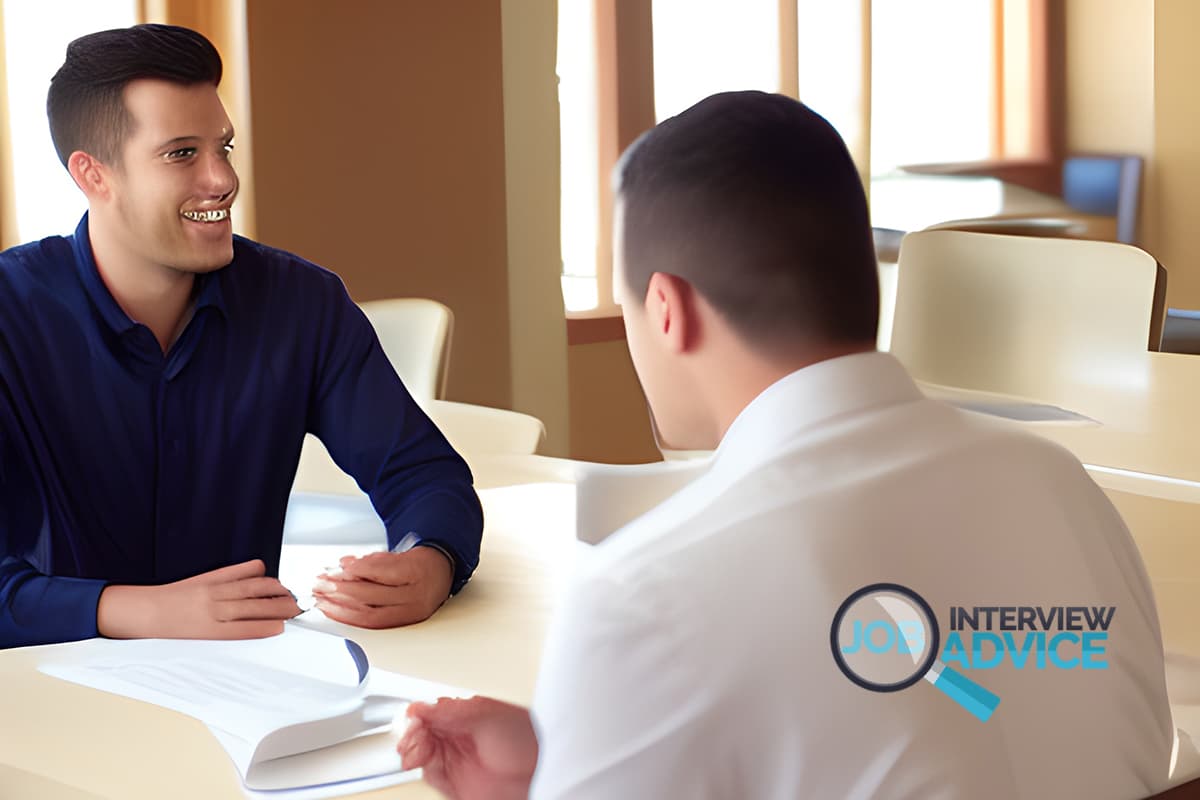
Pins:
<point x="152" y="294"/>
<point x="747" y="374"/>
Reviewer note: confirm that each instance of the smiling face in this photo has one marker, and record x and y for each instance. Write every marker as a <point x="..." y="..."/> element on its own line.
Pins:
<point x="171" y="192"/>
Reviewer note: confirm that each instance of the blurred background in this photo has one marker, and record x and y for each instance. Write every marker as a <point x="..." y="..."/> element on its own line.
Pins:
<point x="460" y="150"/>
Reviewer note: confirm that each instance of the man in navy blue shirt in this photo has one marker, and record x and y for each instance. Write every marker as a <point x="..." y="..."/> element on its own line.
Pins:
<point x="158" y="375"/>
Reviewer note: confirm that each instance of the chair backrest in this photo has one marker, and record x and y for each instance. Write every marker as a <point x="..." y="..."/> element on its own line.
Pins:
<point x="416" y="334"/>
<point x="1108" y="185"/>
<point x="472" y="430"/>
<point x="1016" y="314"/>
<point x="480" y="430"/>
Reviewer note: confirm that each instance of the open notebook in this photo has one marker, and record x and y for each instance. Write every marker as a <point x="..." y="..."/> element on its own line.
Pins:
<point x="301" y="715"/>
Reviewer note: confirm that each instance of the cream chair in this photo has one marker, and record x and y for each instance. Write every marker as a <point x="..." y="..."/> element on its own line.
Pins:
<point x="415" y="334"/>
<point x="328" y="507"/>
<point x="1017" y="314"/>
<point x="474" y="431"/>
<point x="480" y="430"/>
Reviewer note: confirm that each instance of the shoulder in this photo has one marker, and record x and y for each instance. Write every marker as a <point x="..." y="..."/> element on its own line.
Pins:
<point x="270" y="281"/>
<point x="35" y="268"/>
<point x="33" y="259"/>
<point x="257" y="262"/>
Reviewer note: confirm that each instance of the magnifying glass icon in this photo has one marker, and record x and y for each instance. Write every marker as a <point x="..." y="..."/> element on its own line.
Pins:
<point x="885" y="638"/>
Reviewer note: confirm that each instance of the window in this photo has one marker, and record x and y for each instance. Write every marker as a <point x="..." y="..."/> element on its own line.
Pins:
<point x="932" y="82"/>
<point x="950" y="81"/>
<point x="578" y="135"/>
<point x="702" y="47"/>
<point x="35" y="42"/>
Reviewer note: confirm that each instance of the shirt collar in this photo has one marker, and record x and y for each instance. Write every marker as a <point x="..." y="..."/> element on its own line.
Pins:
<point x="207" y="293"/>
<point x="808" y="398"/>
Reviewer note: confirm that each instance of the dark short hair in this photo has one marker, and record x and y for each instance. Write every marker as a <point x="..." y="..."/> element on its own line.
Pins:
<point x="86" y="103"/>
<point x="753" y="199"/>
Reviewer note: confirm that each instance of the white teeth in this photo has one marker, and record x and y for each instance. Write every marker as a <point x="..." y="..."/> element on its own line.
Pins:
<point x="215" y="215"/>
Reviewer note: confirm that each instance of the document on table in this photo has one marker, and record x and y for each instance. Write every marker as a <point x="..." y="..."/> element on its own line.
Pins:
<point x="1002" y="405"/>
<point x="302" y="711"/>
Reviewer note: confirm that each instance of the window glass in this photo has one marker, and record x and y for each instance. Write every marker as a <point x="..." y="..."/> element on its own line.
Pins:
<point x="35" y="42"/>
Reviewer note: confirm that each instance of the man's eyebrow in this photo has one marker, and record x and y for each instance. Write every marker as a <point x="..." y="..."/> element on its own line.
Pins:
<point x="179" y="140"/>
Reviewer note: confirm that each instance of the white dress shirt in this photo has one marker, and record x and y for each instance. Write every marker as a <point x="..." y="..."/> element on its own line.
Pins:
<point x="692" y="656"/>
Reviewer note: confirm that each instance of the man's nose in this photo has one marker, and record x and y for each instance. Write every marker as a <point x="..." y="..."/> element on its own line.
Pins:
<point x="219" y="177"/>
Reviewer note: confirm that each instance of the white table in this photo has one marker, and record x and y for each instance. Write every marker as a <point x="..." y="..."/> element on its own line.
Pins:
<point x="59" y="741"/>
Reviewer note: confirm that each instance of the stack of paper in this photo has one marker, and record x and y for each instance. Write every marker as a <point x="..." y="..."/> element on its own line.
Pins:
<point x="301" y="711"/>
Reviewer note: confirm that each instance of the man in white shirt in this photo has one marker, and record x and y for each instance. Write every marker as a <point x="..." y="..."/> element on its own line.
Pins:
<point x="773" y="630"/>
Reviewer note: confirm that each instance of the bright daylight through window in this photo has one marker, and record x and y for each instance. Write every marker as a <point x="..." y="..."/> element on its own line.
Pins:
<point x="35" y="40"/>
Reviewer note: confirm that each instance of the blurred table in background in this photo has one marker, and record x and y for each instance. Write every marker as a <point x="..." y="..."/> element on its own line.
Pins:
<point x="903" y="202"/>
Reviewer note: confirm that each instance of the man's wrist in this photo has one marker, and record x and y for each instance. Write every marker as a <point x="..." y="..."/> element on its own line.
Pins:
<point x="413" y="539"/>
<point x="443" y="551"/>
<point x="126" y="612"/>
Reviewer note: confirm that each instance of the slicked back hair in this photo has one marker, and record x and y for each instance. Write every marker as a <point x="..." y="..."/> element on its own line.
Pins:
<point x="753" y="199"/>
<point x="86" y="105"/>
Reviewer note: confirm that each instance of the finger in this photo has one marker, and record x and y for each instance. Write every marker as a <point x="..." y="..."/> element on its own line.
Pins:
<point x="249" y="587"/>
<point x="333" y="573"/>
<point x="344" y="560"/>
<point x="416" y="748"/>
<point x="234" y="572"/>
<point x="445" y="715"/>
<point x="393" y="569"/>
<point x="455" y="715"/>
<point x="431" y="716"/>
<point x="418" y="711"/>
<point x="367" y="593"/>
<point x="256" y="608"/>
<point x="435" y="772"/>
<point x="341" y="601"/>
<point x="370" y="617"/>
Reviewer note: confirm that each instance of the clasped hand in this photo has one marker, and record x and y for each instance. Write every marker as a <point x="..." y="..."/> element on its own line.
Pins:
<point x="385" y="590"/>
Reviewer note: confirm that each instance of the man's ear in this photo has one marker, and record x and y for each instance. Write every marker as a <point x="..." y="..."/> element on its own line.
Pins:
<point x="90" y="174"/>
<point x="671" y="311"/>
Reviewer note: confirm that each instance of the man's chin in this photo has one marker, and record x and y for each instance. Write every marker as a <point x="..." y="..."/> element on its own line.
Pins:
<point x="208" y="262"/>
<point x="201" y="267"/>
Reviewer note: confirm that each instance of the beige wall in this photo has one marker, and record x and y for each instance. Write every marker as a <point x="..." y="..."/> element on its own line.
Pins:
<point x="1176" y="149"/>
<point x="537" y="326"/>
<point x="1110" y="76"/>
<point x="1110" y="92"/>
<point x="379" y="153"/>
<point x="1130" y="88"/>
<point x="609" y="420"/>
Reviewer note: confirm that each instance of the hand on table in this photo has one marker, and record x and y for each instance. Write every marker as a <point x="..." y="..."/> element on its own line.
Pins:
<point x="385" y="590"/>
<point x="476" y="748"/>
<point x="234" y="602"/>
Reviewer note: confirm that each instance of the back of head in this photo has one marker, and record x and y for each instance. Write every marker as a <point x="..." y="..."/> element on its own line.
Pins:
<point x="754" y="200"/>
<point x="85" y="102"/>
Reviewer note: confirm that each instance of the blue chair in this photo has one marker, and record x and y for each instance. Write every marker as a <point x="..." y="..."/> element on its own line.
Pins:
<point x="1181" y="332"/>
<point x="1106" y="185"/>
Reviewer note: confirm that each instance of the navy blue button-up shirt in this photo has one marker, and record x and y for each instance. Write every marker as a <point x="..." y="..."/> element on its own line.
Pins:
<point x="119" y="464"/>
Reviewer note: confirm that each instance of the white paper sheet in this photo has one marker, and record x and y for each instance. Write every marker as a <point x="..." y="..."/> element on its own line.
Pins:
<point x="299" y="715"/>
